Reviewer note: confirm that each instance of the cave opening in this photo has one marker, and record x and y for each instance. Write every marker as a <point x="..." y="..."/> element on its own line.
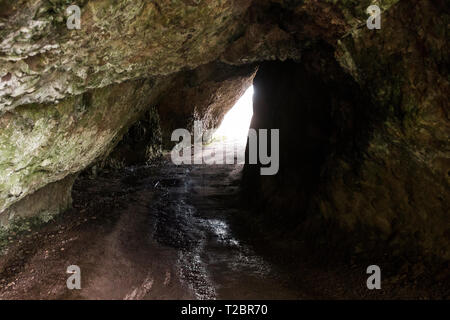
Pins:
<point x="362" y="170"/>
<point x="236" y="122"/>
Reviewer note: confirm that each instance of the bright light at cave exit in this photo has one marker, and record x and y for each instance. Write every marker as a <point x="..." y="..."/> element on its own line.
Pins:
<point x="236" y="122"/>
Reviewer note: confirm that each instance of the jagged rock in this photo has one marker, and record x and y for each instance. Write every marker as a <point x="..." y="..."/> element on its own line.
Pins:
<point x="141" y="144"/>
<point x="43" y="143"/>
<point x="402" y="190"/>
<point x="119" y="40"/>
<point x="205" y="94"/>
<point x="389" y="186"/>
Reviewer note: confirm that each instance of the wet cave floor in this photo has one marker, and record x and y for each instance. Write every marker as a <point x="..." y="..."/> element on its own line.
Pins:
<point x="170" y="232"/>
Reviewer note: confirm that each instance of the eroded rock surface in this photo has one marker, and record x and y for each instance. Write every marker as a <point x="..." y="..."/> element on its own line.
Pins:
<point x="41" y="144"/>
<point x="376" y="167"/>
<point x="119" y="40"/>
<point x="204" y="94"/>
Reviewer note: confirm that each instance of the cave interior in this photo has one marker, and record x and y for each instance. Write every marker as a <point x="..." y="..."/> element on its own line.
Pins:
<point x="87" y="116"/>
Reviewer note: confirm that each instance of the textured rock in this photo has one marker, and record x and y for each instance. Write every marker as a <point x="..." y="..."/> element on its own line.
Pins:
<point x="47" y="72"/>
<point x="318" y="112"/>
<point x="282" y="29"/>
<point x="205" y="94"/>
<point x="45" y="203"/>
<point x="40" y="144"/>
<point x="119" y="40"/>
<point x="382" y="176"/>
<point x="141" y="144"/>
<point x="41" y="60"/>
<point x="403" y="188"/>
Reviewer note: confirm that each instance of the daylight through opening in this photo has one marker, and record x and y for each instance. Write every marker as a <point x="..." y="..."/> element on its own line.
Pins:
<point x="236" y="122"/>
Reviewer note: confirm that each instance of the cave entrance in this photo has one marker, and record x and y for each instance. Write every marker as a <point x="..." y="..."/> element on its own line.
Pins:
<point x="235" y="124"/>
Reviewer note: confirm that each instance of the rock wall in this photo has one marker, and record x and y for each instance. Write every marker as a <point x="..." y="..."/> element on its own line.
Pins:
<point x="44" y="61"/>
<point x="41" y="144"/>
<point x="387" y="185"/>
<point x="323" y="117"/>
<point x="205" y="94"/>
<point x="44" y="204"/>
<point x="403" y="186"/>
<point x="141" y="144"/>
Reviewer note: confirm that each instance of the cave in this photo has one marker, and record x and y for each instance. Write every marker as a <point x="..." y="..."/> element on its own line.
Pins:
<point x="338" y="162"/>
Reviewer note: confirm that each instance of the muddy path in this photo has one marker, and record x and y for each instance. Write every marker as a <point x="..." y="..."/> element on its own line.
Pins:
<point x="165" y="232"/>
<point x="157" y="232"/>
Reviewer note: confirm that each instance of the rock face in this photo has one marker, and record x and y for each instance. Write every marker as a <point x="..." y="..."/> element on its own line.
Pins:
<point x="337" y="173"/>
<point x="119" y="40"/>
<point x="141" y="144"/>
<point x="43" y="204"/>
<point x="204" y="94"/>
<point x="369" y="107"/>
<point x="41" y="144"/>
<point x="372" y="158"/>
<point x="330" y="125"/>
<point x="406" y="167"/>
